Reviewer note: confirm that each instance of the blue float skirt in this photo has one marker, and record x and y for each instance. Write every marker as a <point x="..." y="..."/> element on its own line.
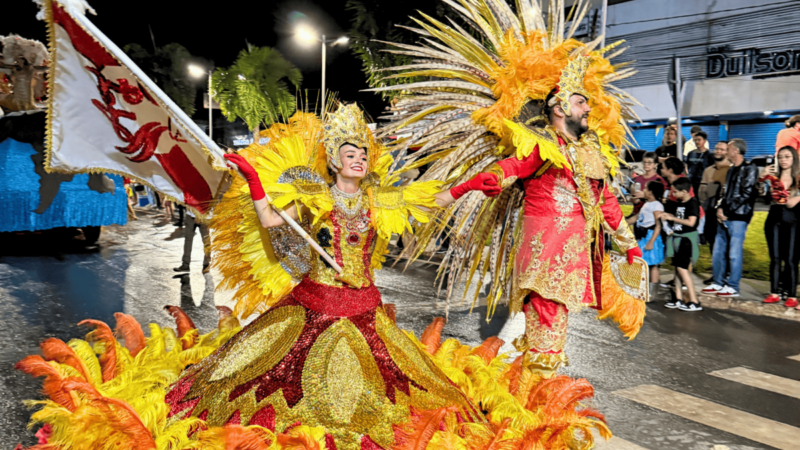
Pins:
<point x="75" y="205"/>
<point x="654" y="256"/>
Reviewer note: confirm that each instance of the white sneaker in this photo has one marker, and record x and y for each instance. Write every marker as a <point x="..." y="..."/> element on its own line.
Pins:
<point x="727" y="292"/>
<point x="712" y="289"/>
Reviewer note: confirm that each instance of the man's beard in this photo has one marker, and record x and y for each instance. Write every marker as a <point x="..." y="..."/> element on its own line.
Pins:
<point x="718" y="158"/>
<point x="575" y="124"/>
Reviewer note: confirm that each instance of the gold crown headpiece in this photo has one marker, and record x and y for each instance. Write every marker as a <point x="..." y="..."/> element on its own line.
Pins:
<point x="346" y="126"/>
<point x="571" y="82"/>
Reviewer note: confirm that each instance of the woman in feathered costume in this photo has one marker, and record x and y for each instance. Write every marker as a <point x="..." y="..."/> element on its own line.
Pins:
<point x="323" y="366"/>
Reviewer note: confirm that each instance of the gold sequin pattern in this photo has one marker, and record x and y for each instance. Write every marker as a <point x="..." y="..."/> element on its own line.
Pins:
<point x="556" y="278"/>
<point x="352" y="255"/>
<point x="242" y="359"/>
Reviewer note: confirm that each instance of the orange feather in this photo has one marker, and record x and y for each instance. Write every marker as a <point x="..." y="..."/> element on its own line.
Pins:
<point x="513" y="374"/>
<point x="108" y="359"/>
<point x="301" y="441"/>
<point x="489" y="348"/>
<point x="56" y="350"/>
<point x="131" y="332"/>
<point x="494" y="444"/>
<point x="53" y="386"/>
<point x="417" y="433"/>
<point x="432" y="336"/>
<point x="183" y="322"/>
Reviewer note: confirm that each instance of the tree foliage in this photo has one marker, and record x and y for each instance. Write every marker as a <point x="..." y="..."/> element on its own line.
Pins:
<point x="376" y="20"/>
<point x="256" y="87"/>
<point x="167" y="67"/>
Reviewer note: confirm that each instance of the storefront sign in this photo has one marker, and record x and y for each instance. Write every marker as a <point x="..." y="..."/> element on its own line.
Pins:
<point x="751" y="62"/>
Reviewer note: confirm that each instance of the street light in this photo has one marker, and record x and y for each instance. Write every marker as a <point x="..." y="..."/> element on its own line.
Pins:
<point x="197" y="71"/>
<point x="306" y="35"/>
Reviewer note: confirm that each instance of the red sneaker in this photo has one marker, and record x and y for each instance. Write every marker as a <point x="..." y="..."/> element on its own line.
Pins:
<point x="791" y="302"/>
<point x="772" y="298"/>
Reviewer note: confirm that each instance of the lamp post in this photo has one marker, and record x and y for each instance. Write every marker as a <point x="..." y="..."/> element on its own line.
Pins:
<point x="306" y="35"/>
<point x="197" y="71"/>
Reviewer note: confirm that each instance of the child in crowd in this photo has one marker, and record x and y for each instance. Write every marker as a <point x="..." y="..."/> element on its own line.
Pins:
<point x="650" y="165"/>
<point x="647" y="229"/>
<point x="681" y="217"/>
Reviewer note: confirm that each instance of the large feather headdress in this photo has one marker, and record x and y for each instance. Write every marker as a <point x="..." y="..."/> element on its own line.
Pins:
<point x="479" y="82"/>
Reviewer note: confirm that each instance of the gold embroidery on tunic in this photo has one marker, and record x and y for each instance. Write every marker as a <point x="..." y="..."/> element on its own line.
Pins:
<point x="557" y="278"/>
<point x="564" y="195"/>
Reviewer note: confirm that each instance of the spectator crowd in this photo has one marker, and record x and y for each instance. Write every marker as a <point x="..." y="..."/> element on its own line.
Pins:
<point x="707" y="195"/>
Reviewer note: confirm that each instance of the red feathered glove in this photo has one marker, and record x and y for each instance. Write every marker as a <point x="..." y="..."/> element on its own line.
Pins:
<point x="635" y="251"/>
<point x="250" y="175"/>
<point x="486" y="182"/>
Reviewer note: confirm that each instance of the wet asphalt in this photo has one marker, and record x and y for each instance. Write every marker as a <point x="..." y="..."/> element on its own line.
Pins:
<point x="50" y="281"/>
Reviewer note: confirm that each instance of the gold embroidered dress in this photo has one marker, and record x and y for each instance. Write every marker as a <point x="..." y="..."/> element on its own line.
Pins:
<point x="327" y="354"/>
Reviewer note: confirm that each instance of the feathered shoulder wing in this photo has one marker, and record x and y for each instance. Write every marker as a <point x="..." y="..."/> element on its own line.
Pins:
<point x="262" y="265"/>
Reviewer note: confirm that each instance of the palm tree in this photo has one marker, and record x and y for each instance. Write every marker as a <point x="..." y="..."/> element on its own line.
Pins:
<point x="375" y="22"/>
<point x="256" y="88"/>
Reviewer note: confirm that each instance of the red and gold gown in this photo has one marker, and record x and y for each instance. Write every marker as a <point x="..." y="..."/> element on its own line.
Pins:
<point x="327" y="354"/>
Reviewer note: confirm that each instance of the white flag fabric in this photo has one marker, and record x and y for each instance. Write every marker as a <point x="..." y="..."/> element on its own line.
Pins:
<point x="105" y="115"/>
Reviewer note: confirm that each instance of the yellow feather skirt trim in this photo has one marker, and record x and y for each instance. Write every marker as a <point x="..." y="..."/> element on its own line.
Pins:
<point x="619" y="306"/>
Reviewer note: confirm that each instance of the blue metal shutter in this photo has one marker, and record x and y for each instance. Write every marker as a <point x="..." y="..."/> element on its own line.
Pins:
<point x="711" y="130"/>
<point x="760" y="137"/>
<point x="646" y="139"/>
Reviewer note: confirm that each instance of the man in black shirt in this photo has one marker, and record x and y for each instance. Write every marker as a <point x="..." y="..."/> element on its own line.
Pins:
<point x="669" y="146"/>
<point x="698" y="160"/>
<point x="733" y="214"/>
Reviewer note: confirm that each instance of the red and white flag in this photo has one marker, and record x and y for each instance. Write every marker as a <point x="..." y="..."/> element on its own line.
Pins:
<point x="106" y="115"/>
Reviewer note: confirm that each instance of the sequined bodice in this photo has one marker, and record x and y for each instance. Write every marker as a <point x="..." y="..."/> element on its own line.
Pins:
<point x="348" y="236"/>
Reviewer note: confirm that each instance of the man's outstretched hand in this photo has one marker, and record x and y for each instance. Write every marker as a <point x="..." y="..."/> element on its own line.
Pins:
<point x="485" y="182"/>
<point x="634" y="252"/>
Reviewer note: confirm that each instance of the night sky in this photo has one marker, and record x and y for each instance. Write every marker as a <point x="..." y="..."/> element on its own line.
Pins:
<point x="218" y="31"/>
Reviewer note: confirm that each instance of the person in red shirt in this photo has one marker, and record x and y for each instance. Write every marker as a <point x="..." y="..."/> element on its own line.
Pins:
<point x="790" y="136"/>
<point x="650" y="164"/>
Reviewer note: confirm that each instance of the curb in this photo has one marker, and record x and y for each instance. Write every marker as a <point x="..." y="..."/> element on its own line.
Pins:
<point x="776" y="310"/>
<point x="749" y="302"/>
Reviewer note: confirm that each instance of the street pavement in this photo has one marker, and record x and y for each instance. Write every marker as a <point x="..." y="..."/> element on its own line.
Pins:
<point x="689" y="381"/>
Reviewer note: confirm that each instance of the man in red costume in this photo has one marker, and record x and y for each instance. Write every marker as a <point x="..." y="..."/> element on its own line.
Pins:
<point x="559" y="260"/>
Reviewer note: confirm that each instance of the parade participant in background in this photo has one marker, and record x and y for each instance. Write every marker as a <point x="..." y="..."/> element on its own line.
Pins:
<point x="323" y="366"/>
<point x="537" y="147"/>
<point x="781" y="226"/>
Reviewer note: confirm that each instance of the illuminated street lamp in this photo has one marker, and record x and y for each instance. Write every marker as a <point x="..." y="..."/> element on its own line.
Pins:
<point x="307" y="35"/>
<point x="197" y="71"/>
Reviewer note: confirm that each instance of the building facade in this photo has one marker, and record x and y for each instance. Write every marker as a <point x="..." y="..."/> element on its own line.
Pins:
<point x="739" y="59"/>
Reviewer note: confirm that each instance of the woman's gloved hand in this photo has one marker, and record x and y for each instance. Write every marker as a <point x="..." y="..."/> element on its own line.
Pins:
<point x="248" y="173"/>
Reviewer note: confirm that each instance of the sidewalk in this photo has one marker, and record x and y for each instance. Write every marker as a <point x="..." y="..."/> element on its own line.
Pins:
<point x="751" y="294"/>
